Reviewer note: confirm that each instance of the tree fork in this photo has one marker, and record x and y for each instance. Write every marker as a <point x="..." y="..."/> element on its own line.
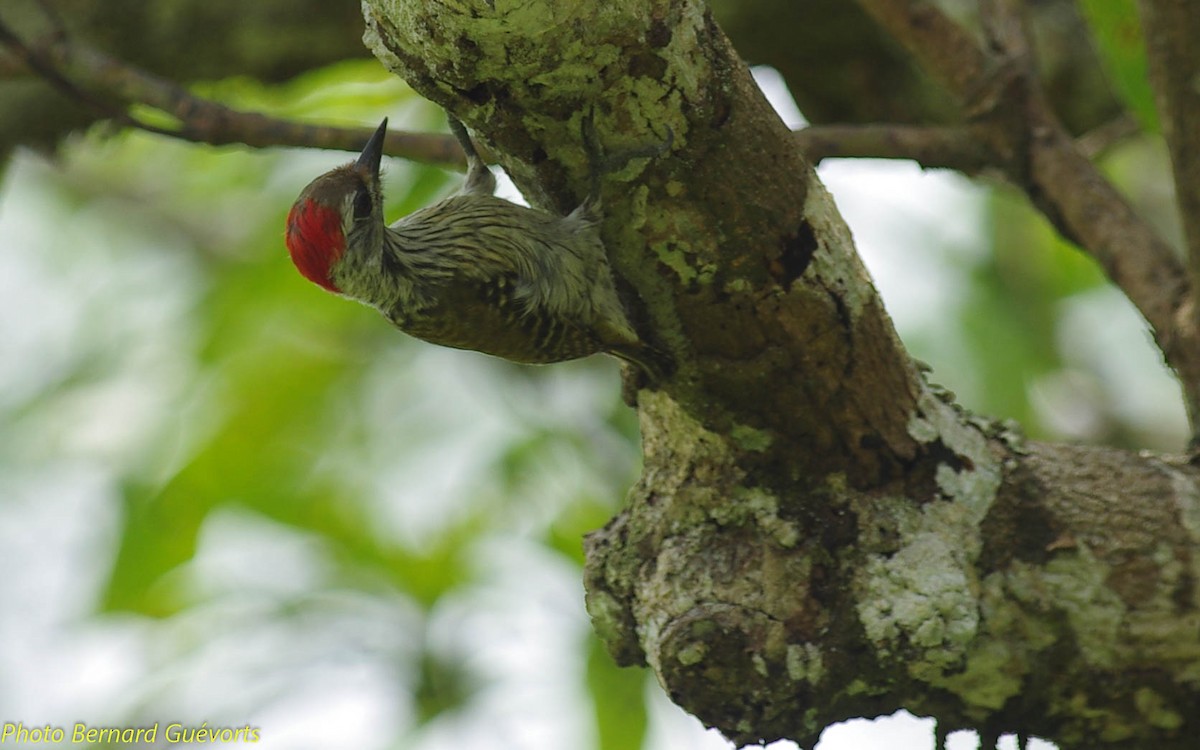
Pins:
<point x="818" y="534"/>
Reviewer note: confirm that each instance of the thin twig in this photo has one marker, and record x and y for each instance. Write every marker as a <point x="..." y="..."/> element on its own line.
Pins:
<point x="1173" y="55"/>
<point x="107" y="86"/>
<point x="1097" y="141"/>
<point x="930" y="146"/>
<point x="38" y="63"/>
<point x="936" y="146"/>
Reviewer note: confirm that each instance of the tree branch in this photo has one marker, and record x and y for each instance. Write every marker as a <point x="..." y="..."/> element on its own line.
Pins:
<point x="1011" y="115"/>
<point x="1170" y="29"/>
<point x="186" y="41"/>
<point x="817" y="534"/>
<point x="934" y="147"/>
<point x="108" y="86"/>
<point x="931" y="147"/>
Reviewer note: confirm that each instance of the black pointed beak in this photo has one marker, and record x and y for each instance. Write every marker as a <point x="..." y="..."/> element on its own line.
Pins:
<point x="372" y="153"/>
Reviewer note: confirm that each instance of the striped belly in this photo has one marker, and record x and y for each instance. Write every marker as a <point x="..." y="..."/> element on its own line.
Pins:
<point x="484" y="317"/>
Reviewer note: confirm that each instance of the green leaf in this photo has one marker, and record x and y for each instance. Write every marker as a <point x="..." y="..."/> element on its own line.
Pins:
<point x="577" y="519"/>
<point x="1119" y="40"/>
<point x="618" y="698"/>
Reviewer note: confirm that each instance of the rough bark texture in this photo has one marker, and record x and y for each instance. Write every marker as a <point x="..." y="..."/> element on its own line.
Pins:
<point x="818" y="534"/>
<point x="1174" y="58"/>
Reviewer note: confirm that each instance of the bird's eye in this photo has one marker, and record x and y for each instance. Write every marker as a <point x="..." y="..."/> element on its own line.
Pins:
<point x="362" y="203"/>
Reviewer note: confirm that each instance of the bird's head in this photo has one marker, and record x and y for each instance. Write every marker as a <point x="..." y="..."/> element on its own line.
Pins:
<point x="342" y="208"/>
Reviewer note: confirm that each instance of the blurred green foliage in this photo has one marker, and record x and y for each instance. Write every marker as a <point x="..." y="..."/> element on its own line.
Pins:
<point x="310" y="413"/>
<point x="1118" y="36"/>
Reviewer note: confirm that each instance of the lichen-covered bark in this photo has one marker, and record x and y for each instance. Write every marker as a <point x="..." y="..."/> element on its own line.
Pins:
<point x="818" y="534"/>
<point x="738" y="256"/>
<point x="1043" y="589"/>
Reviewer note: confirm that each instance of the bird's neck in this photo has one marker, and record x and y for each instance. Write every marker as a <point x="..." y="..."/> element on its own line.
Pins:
<point x="389" y="267"/>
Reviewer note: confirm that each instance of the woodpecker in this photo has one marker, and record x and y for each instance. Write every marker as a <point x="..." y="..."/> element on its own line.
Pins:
<point x="472" y="271"/>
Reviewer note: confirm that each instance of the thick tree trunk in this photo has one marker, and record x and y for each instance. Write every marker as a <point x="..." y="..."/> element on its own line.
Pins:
<point x="818" y="534"/>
